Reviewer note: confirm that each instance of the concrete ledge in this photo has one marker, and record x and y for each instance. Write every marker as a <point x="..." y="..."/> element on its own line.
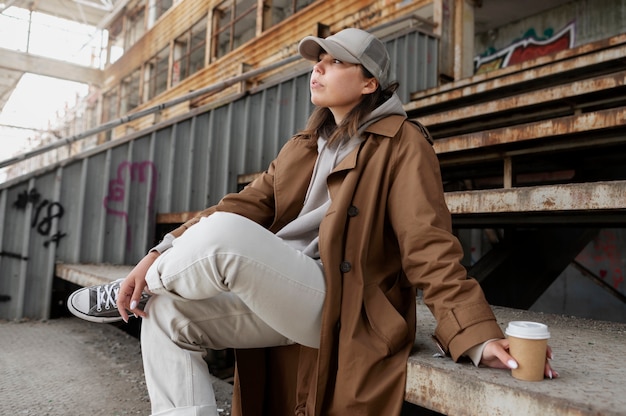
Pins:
<point x="577" y="125"/>
<point x="96" y="274"/>
<point x="91" y="274"/>
<point x="587" y="202"/>
<point x="587" y="356"/>
<point x="589" y="196"/>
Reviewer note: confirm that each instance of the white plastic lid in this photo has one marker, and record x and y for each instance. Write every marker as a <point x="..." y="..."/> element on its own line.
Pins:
<point x="527" y="330"/>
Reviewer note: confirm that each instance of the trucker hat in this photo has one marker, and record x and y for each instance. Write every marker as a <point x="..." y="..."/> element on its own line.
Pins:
<point x="353" y="46"/>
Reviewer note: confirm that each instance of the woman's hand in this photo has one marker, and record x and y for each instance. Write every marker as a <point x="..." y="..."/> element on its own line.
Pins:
<point x="496" y="355"/>
<point x="133" y="286"/>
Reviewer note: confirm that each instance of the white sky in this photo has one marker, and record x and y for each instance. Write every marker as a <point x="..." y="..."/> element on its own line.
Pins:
<point x="36" y="100"/>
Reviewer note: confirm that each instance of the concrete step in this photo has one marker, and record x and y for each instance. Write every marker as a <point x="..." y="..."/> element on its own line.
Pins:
<point x="587" y="357"/>
<point x="580" y="203"/>
<point x="86" y="275"/>
<point x="531" y="83"/>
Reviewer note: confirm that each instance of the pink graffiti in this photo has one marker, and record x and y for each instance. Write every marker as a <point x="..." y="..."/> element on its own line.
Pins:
<point x="605" y="254"/>
<point x="127" y="172"/>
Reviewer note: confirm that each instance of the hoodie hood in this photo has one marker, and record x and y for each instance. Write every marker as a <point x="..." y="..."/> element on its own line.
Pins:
<point x="393" y="106"/>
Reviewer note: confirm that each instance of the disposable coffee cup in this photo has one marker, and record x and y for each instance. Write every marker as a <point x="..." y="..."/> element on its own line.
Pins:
<point x="528" y="342"/>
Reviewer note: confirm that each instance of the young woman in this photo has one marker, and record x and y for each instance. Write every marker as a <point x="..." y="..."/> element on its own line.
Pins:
<point x="311" y="271"/>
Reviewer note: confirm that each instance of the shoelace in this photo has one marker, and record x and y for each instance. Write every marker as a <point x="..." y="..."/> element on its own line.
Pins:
<point x="106" y="296"/>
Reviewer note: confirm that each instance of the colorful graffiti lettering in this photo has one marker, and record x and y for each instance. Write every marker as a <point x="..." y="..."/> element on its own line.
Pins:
<point x="529" y="47"/>
<point x="127" y="172"/>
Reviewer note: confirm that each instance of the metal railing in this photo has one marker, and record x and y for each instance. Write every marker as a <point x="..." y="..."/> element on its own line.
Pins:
<point x="211" y="89"/>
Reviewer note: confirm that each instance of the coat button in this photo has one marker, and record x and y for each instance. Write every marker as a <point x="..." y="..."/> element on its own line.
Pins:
<point x="353" y="211"/>
<point x="345" y="266"/>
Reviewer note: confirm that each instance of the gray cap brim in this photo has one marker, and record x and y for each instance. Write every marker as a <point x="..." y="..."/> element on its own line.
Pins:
<point x="310" y="48"/>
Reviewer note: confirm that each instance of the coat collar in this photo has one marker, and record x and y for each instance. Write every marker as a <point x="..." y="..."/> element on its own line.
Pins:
<point x="388" y="126"/>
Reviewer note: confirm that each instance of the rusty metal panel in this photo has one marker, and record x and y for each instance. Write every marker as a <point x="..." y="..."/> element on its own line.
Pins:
<point x="570" y="125"/>
<point x="550" y="198"/>
<point x="568" y="96"/>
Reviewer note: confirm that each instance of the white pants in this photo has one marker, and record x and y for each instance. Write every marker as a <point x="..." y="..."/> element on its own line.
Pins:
<point x="226" y="283"/>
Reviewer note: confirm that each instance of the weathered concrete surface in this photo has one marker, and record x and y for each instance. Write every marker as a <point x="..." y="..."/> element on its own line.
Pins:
<point x="588" y="355"/>
<point x="91" y="274"/>
<point x="70" y="367"/>
<point x="594" y="196"/>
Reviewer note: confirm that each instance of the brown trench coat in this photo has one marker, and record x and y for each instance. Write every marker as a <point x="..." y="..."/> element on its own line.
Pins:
<point x="386" y="233"/>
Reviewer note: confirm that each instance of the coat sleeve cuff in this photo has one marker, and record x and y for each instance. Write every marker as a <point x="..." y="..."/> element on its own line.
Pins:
<point x="462" y="328"/>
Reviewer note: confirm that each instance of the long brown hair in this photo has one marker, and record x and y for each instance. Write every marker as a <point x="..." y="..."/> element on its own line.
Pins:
<point x="322" y="122"/>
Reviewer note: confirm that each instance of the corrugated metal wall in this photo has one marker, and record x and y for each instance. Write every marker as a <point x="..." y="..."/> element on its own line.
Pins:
<point x="101" y="207"/>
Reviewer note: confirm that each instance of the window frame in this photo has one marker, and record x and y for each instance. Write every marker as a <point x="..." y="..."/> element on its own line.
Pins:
<point x="218" y="27"/>
<point x="185" y="48"/>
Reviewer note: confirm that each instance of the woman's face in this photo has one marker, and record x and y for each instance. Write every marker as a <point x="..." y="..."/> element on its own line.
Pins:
<point x="338" y="86"/>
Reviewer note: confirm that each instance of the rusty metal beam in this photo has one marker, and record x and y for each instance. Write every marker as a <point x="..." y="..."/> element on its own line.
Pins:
<point x="568" y="94"/>
<point x="590" y="123"/>
<point x="576" y="60"/>
<point x="593" y="196"/>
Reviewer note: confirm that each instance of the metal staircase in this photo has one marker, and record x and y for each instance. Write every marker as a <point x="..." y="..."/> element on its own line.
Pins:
<point x="535" y="151"/>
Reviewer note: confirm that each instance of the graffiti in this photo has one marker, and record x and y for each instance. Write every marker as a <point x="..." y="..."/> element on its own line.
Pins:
<point x="13" y="255"/>
<point x="605" y="253"/>
<point x="25" y="197"/>
<point x="529" y="47"/>
<point x="43" y="221"/>
<point x="127" y="172"/>
<point x="53" y="211"/>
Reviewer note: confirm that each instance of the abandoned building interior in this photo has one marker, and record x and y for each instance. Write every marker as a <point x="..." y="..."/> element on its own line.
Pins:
<point x="526" y="102"/>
